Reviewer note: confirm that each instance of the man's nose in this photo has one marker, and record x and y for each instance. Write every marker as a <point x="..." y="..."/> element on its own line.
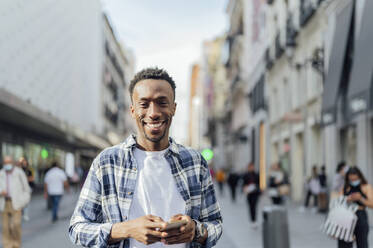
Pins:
<point x="153" y="111"/>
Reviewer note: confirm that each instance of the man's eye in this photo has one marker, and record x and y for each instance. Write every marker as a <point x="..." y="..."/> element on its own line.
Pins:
<point x="143" y="105"/>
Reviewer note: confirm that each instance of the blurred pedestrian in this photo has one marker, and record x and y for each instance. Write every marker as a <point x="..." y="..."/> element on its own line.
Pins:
<point x="31" y="181"/>
<point x="338" y="179"/>
<point x="313" y="189"/>
<point x="252" y="191"/>
<point x="232" y="181"/>
<point x="220" y="178"/>
<point x="360" y="192"/>
<point x="14" y="195"/>
<point x="54" y="183"/>
<point x="48" y="200"/>
<point x="277" y="178"/>
<point x="323" y="195"/>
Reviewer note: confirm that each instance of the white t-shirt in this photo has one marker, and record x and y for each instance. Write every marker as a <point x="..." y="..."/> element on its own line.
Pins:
<point x="54" y="179"/>
<point x="156" y="192"/>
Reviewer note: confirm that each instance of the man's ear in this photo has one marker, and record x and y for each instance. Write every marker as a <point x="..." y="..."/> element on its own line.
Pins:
<point x="174" y="108"/>
<point x="132" y="110"/>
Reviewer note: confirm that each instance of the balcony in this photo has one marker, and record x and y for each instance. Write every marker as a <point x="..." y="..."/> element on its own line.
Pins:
<point x="257" y="100"/>
<point x="279" y="48"/>
<point x="307" y="10"/>
<point x="114" y="61"/>
<point x="291" y="32"/>
<point x="111" y="113"/>
<point x="268" y="59"/>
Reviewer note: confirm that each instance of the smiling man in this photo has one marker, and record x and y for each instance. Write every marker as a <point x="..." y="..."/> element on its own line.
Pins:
<point x="135" y="188"/>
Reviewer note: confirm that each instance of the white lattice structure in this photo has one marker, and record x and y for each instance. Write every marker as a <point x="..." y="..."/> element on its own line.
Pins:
<point x="341" y="220"/>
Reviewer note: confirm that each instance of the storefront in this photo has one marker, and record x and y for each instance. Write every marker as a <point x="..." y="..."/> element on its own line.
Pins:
<point x="40" y="155"/>
<point x="26" y="131"/>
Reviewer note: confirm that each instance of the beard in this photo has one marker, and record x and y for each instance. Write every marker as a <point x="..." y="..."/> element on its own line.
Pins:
<point x="167" y="121"/>
<point x="157" y="139"/>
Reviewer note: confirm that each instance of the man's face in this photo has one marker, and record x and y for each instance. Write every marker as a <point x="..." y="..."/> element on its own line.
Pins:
<point x="8" y="160"/>
<point x="153" y="107"/>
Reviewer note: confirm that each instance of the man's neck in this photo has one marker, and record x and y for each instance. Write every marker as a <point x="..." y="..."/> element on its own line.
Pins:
<point x="148" y="145"/>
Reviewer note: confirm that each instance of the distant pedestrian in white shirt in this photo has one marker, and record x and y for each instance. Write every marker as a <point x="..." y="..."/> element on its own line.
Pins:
<point x="54" y="183"/>
<point x="14" y="195"/>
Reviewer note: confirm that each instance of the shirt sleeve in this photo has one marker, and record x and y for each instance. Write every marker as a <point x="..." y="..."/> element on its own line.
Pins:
<point x="86" y="225"/>
<point x="210" y="209"/>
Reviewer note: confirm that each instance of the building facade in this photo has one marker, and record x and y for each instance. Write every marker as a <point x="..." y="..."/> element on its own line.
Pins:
<point x="117" y="73"/>
<point x="295" y="87"/>
<point x="215" y="94"/>
<point x="51" y="82"/>
<point x="238" y="110"/>
<point x="347" y="98"/>
<point x="299" y="78"/>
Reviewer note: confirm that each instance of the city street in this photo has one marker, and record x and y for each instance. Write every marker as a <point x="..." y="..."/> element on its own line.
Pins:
<point x="270" y="94"/>
<point x="304" y="228"/>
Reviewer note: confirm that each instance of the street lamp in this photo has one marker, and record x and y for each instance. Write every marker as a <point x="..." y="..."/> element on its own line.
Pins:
<point x="317" y="59"/>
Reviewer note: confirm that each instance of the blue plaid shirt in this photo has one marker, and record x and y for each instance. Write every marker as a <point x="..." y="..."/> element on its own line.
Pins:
<point x="108" y="191"/>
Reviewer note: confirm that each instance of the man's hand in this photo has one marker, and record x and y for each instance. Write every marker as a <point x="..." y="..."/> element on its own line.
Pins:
<point x="184" y="234"/>
<point x="144" y="229"/>
<point x="4" y="193"/>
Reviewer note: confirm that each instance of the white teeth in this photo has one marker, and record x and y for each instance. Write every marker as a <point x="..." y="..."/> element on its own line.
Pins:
<point x="155" y="125"/>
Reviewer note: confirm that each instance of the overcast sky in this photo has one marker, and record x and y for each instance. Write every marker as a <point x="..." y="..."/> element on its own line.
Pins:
<point x="168" y="34"/>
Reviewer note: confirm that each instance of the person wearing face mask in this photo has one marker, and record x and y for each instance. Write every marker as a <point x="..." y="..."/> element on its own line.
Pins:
<point x="14" y="195"/>
<point x="358" y="191"/>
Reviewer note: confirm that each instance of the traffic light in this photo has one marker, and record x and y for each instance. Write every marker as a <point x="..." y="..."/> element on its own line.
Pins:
<point x="207" y="154"/>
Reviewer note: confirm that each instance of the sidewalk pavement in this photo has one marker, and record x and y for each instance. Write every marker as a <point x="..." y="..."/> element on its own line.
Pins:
<point x="304" y="228"/>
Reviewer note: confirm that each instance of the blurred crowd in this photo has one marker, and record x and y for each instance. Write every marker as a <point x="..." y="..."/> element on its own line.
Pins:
<point x="347" y="183"/>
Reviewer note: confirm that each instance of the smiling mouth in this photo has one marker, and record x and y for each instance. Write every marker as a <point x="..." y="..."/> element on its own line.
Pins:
<point x="154" y="125"/>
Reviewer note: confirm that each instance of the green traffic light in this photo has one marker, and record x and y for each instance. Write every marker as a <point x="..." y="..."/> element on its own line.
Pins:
<point x="44" y="153"/>
<point x="207" y="154"/>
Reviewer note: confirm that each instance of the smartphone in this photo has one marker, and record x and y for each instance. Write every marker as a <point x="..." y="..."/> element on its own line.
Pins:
<point x="174" y="224"/>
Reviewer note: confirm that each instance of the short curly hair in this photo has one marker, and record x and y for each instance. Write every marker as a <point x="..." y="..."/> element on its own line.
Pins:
<point x="151" y="73"/>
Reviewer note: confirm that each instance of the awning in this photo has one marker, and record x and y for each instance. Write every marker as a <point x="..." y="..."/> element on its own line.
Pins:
<point x="337" y="57"/>
<point x="23" y="116"/>
<point x="359" y="90"/>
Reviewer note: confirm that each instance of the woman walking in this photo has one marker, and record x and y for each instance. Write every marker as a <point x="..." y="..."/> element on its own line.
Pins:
<point x="252" y="191"/>
<point x="358" y="191"/>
